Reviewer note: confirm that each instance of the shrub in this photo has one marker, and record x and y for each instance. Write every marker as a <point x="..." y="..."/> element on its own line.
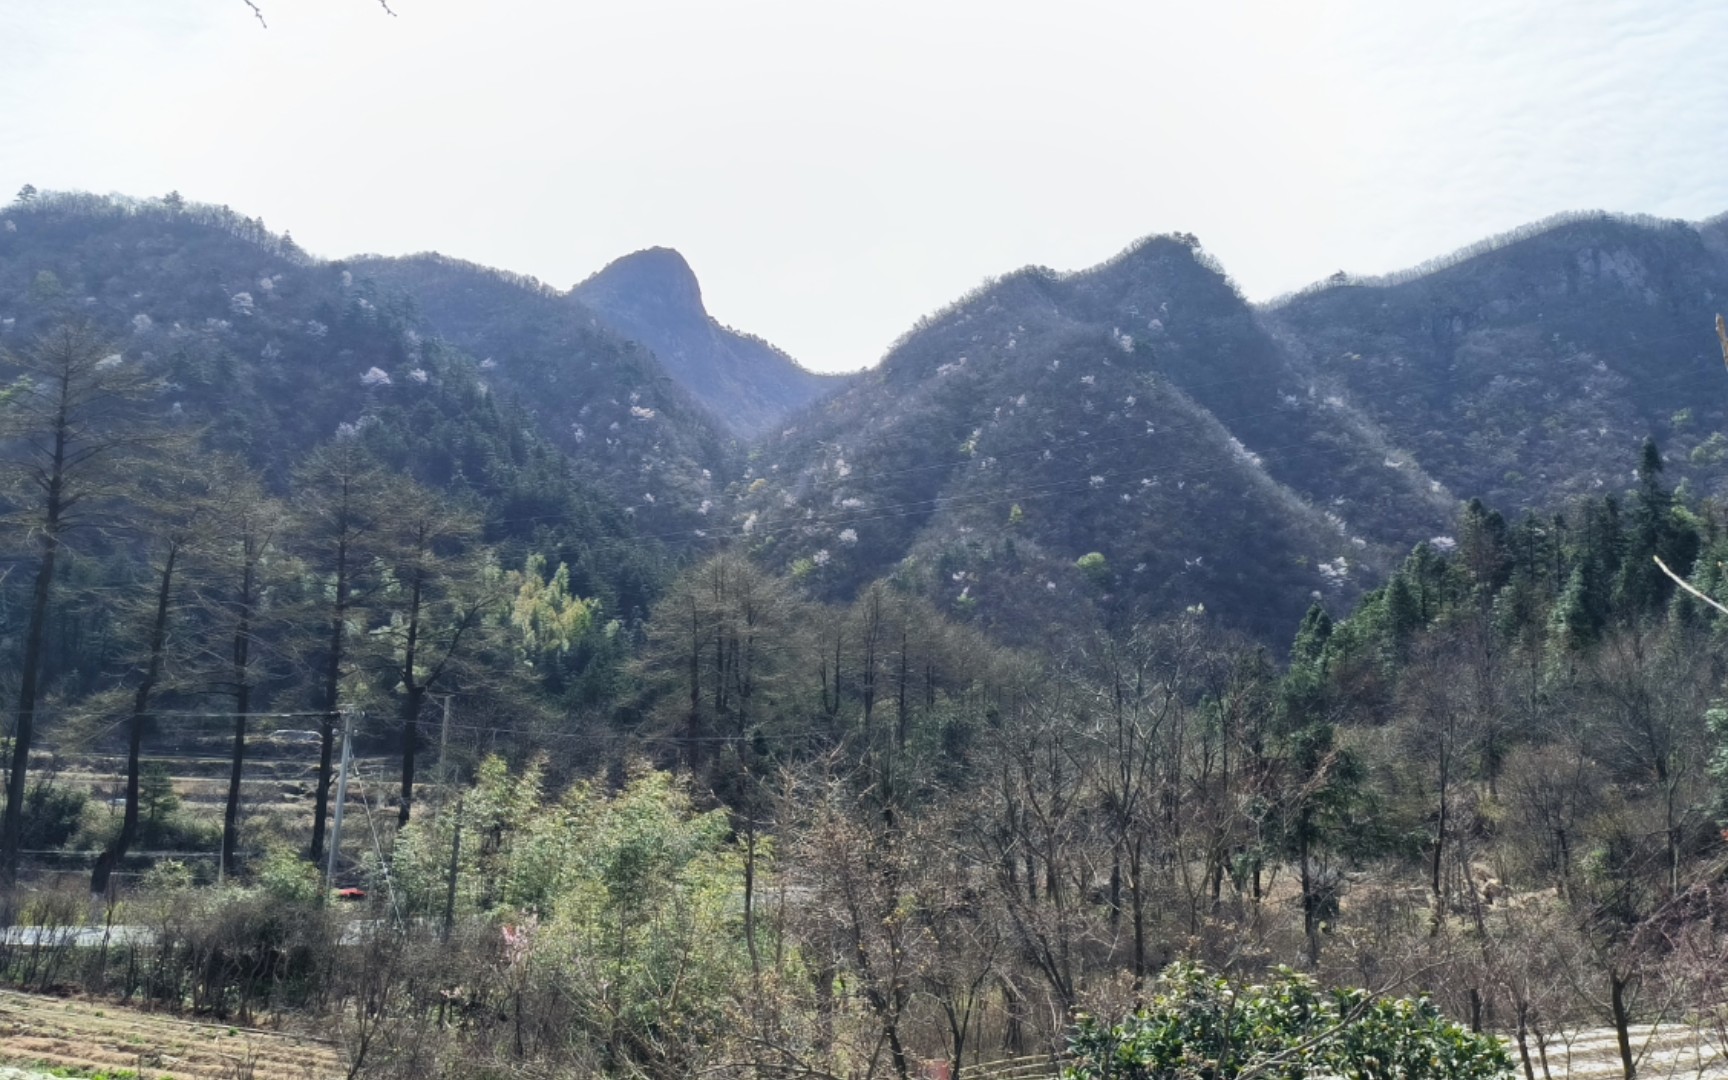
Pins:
<point x="51" y="816"/>
<point x="1200" y="1026"/>
<point x="1095" y="567"/>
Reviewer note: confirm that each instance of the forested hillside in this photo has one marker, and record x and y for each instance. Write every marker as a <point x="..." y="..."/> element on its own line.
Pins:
<point x="1522" y="371"/>
<point x="1109" y="651"/>
<point x="1135" y="416"/>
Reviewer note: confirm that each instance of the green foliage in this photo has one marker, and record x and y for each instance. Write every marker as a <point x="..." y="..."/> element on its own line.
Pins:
<point x="52" y="815"/>
<point x="285" y="876"/>
<point x="1717" y="720"/>
<point x="1199" y="1026"/>
<point x="156" y="798"/>
<point x="1095" y="567"/>
<point x="549" y="619"/>
<point x="626" y="902"/>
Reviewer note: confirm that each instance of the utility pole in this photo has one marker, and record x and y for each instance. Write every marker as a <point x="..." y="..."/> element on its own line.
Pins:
<point x="341" y="798"/>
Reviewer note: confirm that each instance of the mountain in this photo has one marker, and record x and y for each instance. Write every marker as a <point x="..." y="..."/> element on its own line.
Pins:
<point x="652" y="297"/>
<point x="1529" y="367"/>
<point x="575" y="442"/>
<point x="1059" y="448"/>
<point x="1049" y="452"/>
<point x="605" y="401"/>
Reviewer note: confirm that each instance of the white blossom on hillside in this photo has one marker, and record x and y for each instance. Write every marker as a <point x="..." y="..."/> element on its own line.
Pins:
<point x="375" y="376"/>
<point x="1335" y="572"/>
<point x="240" y="303"/>
<point x="141" y="323"/>
<point x="848" y="536"/>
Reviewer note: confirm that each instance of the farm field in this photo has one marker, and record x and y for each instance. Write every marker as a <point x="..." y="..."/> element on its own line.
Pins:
<point x="89" y="1036"/>
<point x="278" y="785"/>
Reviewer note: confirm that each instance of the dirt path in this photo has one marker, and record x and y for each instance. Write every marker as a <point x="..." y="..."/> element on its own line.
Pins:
<point x="93" y="1036"/>
<point x="1671" y="1053"/>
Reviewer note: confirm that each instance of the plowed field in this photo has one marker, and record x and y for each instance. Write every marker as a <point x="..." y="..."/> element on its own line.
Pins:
<point x="97" y="1036"/>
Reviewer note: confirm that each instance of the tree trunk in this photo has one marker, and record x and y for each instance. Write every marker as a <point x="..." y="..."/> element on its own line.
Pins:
<point x="413" y="698"/>
<point x="1310" y="921"/>
<point x="1137" y="897"/>
<point x="332" y="690"/>
<point x="23" y="733"/>
<point x="1622" y="1023"/>
<point x="411" y="704"/>
<point x="750" y="895"/>
<point x="116" y="850"/>
<point x="242" y="707"/>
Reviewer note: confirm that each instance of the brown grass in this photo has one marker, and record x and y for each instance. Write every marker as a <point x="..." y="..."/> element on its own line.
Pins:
<point x="97" y="1036"/>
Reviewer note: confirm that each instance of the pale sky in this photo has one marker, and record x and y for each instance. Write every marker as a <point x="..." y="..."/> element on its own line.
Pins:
<point x="835" y="169"/>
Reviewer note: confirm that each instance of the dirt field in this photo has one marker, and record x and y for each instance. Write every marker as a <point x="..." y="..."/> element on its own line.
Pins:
<point x="95" y="1036"/>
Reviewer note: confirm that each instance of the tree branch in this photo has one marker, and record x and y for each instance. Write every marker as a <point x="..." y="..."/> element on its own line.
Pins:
<point x="1676" y="578"/>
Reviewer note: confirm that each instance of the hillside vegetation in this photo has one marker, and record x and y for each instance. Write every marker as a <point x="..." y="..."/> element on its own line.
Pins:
<point x="1043" y="699"/>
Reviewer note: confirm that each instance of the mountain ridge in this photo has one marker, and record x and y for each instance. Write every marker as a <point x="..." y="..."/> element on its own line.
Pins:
<point x="1049" y="450"/>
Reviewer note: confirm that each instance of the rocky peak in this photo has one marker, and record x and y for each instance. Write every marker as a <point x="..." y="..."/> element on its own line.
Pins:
<point x="656" y="277"/>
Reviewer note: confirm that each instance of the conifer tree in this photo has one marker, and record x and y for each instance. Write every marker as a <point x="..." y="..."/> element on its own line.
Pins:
<point x="338" y="491"/>
<point x="174" y="498"/>
<point x="73" y="422"/>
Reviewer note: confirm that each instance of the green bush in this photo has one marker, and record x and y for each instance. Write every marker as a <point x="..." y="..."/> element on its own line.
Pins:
<point x="1200" y="1027"/>
<point x="52" y="815"/>
<point x="1095" y="567"/>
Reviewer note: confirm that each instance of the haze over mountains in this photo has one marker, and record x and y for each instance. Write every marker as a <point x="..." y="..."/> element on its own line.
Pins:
<point x="1205" y="450"/>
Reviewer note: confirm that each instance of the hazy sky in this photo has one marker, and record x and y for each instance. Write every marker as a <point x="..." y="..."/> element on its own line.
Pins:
<point x="835" y="169"/>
